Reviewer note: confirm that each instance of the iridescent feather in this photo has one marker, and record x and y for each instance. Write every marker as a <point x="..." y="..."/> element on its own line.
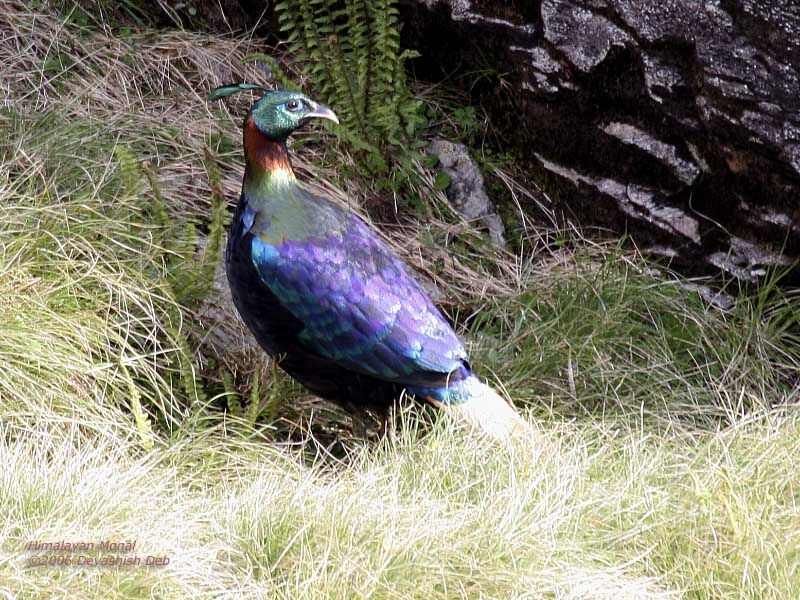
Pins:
<point x="323" y="294"/>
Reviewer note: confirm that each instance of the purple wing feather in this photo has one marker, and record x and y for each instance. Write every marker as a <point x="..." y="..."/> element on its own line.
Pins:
<point x="359" y="306"/>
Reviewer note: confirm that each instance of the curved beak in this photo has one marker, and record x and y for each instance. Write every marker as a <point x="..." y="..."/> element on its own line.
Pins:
<point x="322" y="112"/>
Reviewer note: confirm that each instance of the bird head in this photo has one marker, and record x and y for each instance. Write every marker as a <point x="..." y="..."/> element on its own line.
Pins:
<point x="278" y="112"/>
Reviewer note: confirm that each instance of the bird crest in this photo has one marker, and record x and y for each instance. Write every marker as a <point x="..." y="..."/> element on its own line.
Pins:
<point x="235" y="88"/>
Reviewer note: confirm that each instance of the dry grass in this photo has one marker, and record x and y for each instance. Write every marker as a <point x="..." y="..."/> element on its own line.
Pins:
<point x="614" y="513"/>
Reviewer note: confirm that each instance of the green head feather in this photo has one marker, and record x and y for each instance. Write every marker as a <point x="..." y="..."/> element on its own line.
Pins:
<point x="278" y="112"/>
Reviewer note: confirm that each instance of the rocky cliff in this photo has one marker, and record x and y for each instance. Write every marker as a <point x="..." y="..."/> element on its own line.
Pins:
<point x="677" y="122"/>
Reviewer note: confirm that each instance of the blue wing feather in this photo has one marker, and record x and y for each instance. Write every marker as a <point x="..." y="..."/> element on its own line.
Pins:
<point x="358" y="305"/>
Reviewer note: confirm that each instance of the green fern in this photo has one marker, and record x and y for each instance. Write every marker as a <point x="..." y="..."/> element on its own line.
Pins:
<point x="352" y="54"/>
<point x="276" y="396"/>
<point x="232" y="397"/>
<point x="254" y="405"/>
<point x="190" y="276"/>
<point x="158" y="207"/>
<point x="212" y="254"/>
<point x="181" y="272"/>
<point x="129" y="170"/>
<point x="140" y="417"/>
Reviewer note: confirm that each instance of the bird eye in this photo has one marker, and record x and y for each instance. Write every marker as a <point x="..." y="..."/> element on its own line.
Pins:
<point x="293" y="105"/>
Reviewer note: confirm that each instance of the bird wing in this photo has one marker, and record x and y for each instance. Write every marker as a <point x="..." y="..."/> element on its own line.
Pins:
<point x="359" y="306"/>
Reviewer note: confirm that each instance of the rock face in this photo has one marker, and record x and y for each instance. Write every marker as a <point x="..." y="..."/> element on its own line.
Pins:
<point x="677" y="121"/>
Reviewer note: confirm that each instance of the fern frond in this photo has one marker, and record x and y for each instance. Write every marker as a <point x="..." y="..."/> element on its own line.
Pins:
<point x="352" y="54"/>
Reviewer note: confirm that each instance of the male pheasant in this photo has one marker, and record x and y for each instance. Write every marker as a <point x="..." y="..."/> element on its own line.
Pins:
<point x="328" y="299"/>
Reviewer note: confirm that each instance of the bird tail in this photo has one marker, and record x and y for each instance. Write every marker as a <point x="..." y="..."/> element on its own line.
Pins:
<point x="484" y="410"/>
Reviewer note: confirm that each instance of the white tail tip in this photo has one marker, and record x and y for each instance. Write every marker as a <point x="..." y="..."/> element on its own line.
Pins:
<point x="487" y="412"/>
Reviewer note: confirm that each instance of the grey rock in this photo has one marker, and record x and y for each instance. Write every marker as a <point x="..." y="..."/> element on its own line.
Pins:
<point x="684" y="170"/>
<point x="581" y="35"/>
<point x="676" y="122"/>
<point x="716" y="298"/>
<point x="466" y="191"/>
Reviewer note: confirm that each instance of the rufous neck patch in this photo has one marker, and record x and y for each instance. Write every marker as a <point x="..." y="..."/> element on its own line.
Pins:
<point x="265" y="155"/>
